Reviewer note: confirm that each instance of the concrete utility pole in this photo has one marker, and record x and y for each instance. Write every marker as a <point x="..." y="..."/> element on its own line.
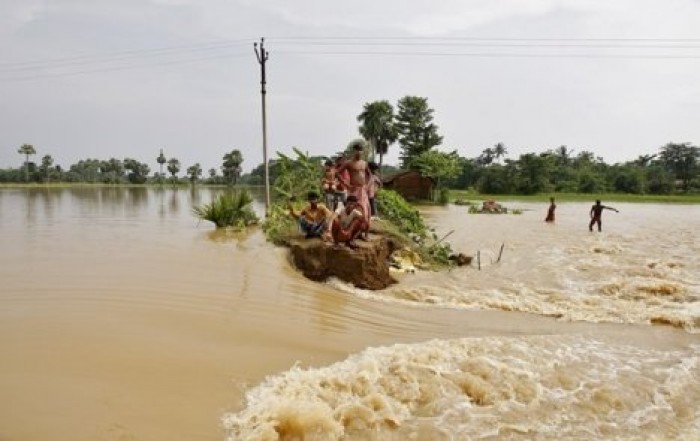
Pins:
<point x="262" y="55"/>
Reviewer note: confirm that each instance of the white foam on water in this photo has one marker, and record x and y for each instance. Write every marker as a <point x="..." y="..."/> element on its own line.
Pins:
<point x="561" y="387"/>
<point x="636" y="277"/>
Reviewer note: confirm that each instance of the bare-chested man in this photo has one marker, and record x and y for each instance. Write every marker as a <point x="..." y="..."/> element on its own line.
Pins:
<point x="358" y="180"/>
<point x="597" y="213"/>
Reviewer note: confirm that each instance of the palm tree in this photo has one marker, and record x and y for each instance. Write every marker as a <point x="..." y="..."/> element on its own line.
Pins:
<point x="563" y="154"/>
<point x="377" y="126"/>
<point x="486" y="157"/>
<point x="161" y="160"/>
<point x="232" y="166"/>
<point x="194" y="172"/>
<point x="26" y="149"/>
<point x="500" y="150"/>
<point x="46" y="163"/>
<point x="173" y="167"/>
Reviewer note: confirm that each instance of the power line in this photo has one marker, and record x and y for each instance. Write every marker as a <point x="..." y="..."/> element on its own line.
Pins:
<point x="387" y="46"/>
<point x="493" y="54"/>
<point x="631" y="39"/>
<point x="134" y="53"/>
<point x="496" y="44"/>
<point x="120" y="68"/>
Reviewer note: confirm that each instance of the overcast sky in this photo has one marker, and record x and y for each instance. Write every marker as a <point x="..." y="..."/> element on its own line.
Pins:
<point x="125" y="78"/>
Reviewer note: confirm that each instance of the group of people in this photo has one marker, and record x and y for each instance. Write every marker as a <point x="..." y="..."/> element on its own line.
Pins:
<point x="596" y="213"/>
<point x="349" y="188"/>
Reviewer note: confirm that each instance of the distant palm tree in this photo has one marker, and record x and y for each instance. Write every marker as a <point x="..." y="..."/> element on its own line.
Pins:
<point x="173" y="167"/>
<point x="194" y="172"/>
<point x="563" y="155"/>
<point x="26" y="149"/>
<point x="232" y="166"/>
<point x="46" y="163"/>
<point x="499" y="150"/>
<point x="161" y="160"/>
<point x="377" y="126"/>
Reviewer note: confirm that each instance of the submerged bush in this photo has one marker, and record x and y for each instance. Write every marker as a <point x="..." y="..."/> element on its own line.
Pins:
<point x="228" y="210"/>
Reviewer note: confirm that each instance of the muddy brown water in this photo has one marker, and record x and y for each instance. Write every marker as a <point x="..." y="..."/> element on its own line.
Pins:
<point x="124" y="318"/>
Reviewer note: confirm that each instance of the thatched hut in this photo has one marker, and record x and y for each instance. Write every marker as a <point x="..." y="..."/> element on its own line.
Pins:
<point x="411" y="184"/>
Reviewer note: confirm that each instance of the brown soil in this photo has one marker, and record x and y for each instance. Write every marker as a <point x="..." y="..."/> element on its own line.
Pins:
<point x="365" y="267"/>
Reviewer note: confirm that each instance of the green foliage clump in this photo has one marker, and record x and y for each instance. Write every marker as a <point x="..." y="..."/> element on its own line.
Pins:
<point x="409" y="222"/>
<point x="444" y="196"/>
<point x="296" y="177"/>
<point x="279" y="226"/>
<point x="231" y="209"/>
<point x="396" y="210"/>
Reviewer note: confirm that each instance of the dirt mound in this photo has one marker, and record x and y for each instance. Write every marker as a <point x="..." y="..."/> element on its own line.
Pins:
<point x="366" y="267"/>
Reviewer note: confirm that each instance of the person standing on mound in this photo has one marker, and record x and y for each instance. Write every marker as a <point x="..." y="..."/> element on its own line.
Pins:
<point x="597" y="213"/>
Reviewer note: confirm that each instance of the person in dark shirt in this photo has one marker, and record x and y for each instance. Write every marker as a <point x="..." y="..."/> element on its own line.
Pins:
<point x="550" y="212"/>
<point x="597" y="213"/>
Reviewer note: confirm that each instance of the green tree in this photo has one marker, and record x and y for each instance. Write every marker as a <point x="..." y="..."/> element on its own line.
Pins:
<point x="486" y="157"/>
<point x="681" y="160"/>
<point x="231" y="167"/>
<point x="438" y="165"/>
<point x="194" y="172"/>
<point x="173" y="168"/>
<point x="296" y="177"/>
<point x="377" y="126"/>
<point x="46" y="163"/>
<point x="658" y="179"/>
<point x="86" y="170"/>
<point x="415" y="128"/>
<point x="112" y="171"/>
<point x="496" y="179"/>
<point x="26" y="150"/>
<point x="138" y="171"/>
<point x="533" y="173"/>
<point x="563" y="155"/>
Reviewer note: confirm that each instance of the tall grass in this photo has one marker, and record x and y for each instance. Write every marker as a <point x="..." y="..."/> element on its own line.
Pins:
<point x="228" y="210"/>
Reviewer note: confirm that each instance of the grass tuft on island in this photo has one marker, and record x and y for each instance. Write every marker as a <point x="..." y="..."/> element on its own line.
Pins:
<point x="231" y="209"/>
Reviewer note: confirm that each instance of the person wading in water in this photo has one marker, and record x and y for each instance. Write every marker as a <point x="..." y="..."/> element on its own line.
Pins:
<point x="550" y="212"/>
<point x="597" y="213"/>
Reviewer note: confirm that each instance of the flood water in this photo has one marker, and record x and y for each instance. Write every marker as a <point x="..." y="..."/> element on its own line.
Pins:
<point x="124" y="318"/>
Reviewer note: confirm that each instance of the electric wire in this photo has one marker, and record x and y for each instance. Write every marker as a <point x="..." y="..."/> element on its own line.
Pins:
<point x="500" y="47"/>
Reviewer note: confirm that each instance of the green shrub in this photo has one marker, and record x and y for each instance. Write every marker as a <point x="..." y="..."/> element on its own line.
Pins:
<point x="394" y="208"/>
<point x="444" y="196"/>
<point x="279" y="227"/>
<point x="228" y="210"/>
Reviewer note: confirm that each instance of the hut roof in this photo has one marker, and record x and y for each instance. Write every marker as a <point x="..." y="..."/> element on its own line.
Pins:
<point x="390" y="179"/>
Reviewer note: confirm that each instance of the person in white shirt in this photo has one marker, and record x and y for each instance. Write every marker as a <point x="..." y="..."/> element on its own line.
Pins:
<point x="348" y="224"/>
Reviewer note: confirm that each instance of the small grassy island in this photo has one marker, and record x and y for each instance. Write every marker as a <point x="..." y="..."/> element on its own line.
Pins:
<point x="401" y="239"/>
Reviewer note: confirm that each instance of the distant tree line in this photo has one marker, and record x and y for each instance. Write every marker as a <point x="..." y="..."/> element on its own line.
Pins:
<point x="675" y="168"/>
<point x="119" y="171"/>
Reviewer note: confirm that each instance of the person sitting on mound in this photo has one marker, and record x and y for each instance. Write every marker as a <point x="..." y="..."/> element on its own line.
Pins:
<point x="314" y="219"/>
<point x="348" y="224"/>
